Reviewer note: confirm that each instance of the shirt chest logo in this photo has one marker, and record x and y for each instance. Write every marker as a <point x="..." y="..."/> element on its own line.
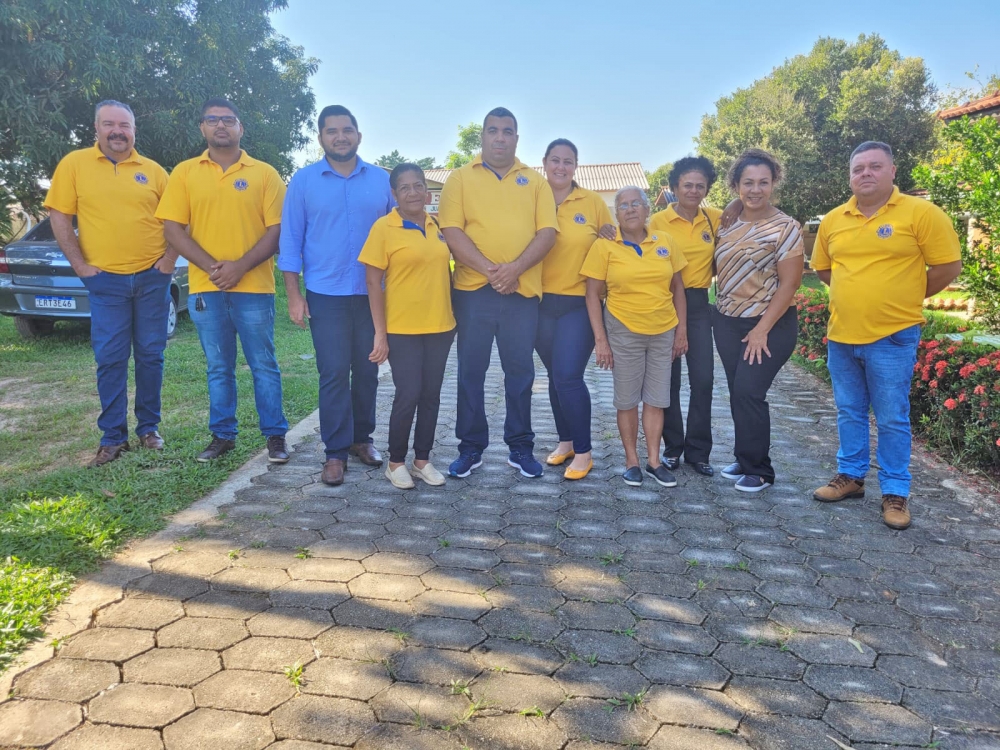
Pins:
<point x="662" y="252"/>
<point x="140" y="178"/>
<point x="441" y="236"/>
<point x="885" y="231"/>
<point x="580" y="219"/>
<point x="706" y="236"/>
<point x="241" y="184"/>
<point x="521" y="180"/>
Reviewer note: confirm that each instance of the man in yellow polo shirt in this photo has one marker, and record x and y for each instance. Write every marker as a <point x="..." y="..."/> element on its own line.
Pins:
<point x="499" y="219"/>
<point x="881" y="253"/>
<point x="121" y="257"/>
<point x="222" y="211"/>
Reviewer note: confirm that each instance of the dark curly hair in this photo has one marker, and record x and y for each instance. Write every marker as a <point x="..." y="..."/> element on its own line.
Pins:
<point x="692" y="164"/>
<point x="400" y="169"/>
<point x="753" y="157"/>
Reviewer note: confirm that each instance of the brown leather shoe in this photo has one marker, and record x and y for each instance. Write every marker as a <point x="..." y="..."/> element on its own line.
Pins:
<point x="895" y="514"/>
<point x="333" y="471"/>
<point x="366" y="454"/>
<point x="218" y="447"/>
<point x="277" y="450"/>
<point x="107" y="453"/>
<point x="151" y="441"/>
<point x="841" y="487"/>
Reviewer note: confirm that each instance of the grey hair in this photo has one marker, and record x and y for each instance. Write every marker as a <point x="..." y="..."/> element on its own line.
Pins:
<point x="642" y="194"/>
<point x="885" y="148"/>
<point x="112" y="103"/>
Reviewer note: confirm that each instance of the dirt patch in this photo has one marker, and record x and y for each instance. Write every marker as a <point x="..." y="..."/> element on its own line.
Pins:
<point x="16" y="395"/>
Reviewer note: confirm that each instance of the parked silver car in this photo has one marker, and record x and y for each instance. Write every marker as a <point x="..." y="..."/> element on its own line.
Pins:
<point x="38" y="287"/>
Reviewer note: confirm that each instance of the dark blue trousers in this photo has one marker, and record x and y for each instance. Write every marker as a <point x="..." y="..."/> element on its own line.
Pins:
<point x="343" y="334"/>
<point x="484" y="315"/>
<point x="565" y="342"/>
<point x="128" y="317"/>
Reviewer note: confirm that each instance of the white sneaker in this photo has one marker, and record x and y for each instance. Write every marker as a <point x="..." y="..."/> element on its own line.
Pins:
<point x="399" y="477"/>
<point x="429" y="474"/>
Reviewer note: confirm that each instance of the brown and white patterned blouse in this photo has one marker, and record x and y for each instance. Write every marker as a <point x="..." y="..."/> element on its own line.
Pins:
<point x="746" y="260"/>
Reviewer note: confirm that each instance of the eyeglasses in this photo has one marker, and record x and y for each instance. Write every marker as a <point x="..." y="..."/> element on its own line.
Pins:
<point x="634" y="204"/>
<point x="230" y="121"/>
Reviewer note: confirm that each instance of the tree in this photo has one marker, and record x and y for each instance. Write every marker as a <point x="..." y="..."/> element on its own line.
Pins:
<point x="814" y="109"/>
<point x="470" y="142"/>
<point x="164" y="57"/>
<point x="657" y="180"/>
<point x="964" y="179"/>
<point x="395" y="158"/>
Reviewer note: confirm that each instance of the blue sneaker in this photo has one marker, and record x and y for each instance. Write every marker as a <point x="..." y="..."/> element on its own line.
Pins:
<point x="751" y="483"/>
<point x="462" y="466"/>
<point x="525" y="461"/>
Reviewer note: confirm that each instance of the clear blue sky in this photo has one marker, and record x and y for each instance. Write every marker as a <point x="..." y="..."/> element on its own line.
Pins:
<point x="626" y="81"/>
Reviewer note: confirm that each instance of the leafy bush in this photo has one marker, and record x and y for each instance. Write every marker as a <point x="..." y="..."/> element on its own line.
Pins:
<point x="964" y="179"/>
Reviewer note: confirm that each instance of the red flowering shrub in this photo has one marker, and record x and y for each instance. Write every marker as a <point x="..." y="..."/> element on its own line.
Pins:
<point x="955" y="396"/>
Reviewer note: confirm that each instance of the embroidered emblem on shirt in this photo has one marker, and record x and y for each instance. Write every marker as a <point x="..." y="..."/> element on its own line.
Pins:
<point x="662" y="251"/>
<point x="885" y="231"/>
<point x="706" y="237"/>
<point x="521" y="180"/>
<point x="441" y="236"/>
<point x="141" y="178"/>
<point x="580" y="219"/>
<point x="241" y="185"/>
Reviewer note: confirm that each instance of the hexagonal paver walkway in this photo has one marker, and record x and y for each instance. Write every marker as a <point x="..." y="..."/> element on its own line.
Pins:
<point x="505" y="613"/>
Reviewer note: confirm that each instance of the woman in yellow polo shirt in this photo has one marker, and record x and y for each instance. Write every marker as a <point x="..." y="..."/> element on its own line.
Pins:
<point x="565" y="339"/>
<point x="641" y="329"/>
<point x="693" y="229"/>
<point x="414" y="325"/>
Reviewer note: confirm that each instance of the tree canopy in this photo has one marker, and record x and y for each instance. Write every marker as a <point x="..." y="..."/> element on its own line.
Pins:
<point x="58" y="58"/>
<point x="395" y="159"/>
<point x="814" y="109"/>
<point x="470" y="142"/>
<point x="657" y="181"/>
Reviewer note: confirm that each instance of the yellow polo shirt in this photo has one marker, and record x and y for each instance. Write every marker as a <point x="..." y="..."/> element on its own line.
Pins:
<point x="114" y="205"/>
<point x="878" y="264"/>
<point x="500" y="216"/>
<point x="638" y="285"/>
<point x="696" y="240"/>
<point x="417" y="274"/>
<point x="580" y="217"/>
<point x="226" y="213"/>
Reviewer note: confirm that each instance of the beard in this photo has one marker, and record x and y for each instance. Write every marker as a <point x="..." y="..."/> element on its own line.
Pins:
<point x="341" y="157"/>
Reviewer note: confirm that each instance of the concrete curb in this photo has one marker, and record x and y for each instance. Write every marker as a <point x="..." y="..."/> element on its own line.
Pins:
<point x="107" y="585"/>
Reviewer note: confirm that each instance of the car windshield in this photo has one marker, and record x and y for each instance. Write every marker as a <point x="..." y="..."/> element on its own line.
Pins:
<point x="42" y="232"/>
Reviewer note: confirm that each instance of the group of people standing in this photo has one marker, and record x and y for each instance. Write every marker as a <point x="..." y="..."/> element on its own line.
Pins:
<point x="539" y="265"/>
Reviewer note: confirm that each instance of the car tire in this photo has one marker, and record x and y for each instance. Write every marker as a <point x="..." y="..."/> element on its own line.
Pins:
<point x="33" y="328"/>
<point x="172" y="317"/>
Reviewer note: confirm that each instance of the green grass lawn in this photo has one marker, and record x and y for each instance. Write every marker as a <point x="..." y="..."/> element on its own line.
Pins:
<point x="59" y="519"/>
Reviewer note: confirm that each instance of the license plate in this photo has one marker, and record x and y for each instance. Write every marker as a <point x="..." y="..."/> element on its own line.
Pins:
<point x="57" y="303"/>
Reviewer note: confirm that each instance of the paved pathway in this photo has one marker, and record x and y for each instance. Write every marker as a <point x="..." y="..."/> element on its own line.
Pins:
<point x="501" y="613"/>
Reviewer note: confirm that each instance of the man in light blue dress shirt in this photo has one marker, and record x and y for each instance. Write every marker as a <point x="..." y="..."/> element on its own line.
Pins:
<point x="329" y="209"/>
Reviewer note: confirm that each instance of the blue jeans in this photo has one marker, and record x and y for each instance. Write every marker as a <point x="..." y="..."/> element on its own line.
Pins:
<point x="128" y="315"/>
<point x="564" y="342"/>
<point x="484" y="315"/>
<point x="220" y="317"/>
<point x="875" y="375"/>
<point x="343" y="335"/>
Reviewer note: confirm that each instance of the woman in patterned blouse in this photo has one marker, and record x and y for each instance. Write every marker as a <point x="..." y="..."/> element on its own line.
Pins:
<point x="758" y="261"/>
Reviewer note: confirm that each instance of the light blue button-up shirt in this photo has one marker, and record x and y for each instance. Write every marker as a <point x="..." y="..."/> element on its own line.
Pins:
<point x="325" y="222"/>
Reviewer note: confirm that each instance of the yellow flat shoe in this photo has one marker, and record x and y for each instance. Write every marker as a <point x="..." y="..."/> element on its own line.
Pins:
<point x="571" y="473"/>
<point x="558" y="459"/>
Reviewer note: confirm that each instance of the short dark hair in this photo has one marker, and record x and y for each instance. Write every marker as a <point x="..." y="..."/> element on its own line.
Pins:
<point x="872" y="146"/>
<point x="335" y="110"/>
<point x="753" y="157"/>
<point x="500" y="112"/>
<point x="692" y="164"/>
<point x="219" y="101"/>
<point x="400" y="169"/>
<point x="561" y="142"/>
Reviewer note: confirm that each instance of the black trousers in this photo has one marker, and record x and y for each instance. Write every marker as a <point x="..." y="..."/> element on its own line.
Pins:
<point x="696" y="445"/>
<point x="417" y="363"/>
<point x="749" y="384"/>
